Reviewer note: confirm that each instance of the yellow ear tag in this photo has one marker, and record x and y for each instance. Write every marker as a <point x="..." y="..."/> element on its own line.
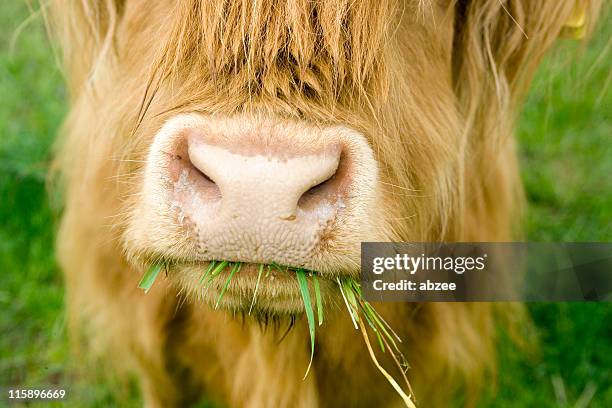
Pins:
<point x="574" y="27"/>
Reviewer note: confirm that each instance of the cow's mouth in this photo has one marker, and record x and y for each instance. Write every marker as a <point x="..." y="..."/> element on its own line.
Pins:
<point x="243" y="286"/>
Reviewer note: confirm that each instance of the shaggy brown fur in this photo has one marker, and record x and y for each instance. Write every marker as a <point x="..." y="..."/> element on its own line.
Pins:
<point x="435" y="85"/>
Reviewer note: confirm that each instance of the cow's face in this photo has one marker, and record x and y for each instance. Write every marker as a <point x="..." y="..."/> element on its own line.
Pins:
<point x="285" y="132"/>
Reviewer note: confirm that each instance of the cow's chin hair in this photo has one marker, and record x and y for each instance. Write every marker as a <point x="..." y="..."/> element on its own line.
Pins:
<point x="278" y="294"/>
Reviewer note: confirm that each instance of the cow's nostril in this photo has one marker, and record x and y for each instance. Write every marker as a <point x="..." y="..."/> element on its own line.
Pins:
<point x="200" y="171"/>
<point x="314" y="190"/>
<point x="328" y="191"/>
<point x="317" y="193"/>
<point x="192" y="185"/>
<point x="203" y="175"/>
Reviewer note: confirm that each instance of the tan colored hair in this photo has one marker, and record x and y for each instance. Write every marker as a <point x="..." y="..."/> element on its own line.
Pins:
<point x="437" y="101"/>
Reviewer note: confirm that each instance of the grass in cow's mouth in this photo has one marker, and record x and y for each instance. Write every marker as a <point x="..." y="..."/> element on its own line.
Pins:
<point x="361" y="312"/>
<point x="235" y="268"/>
<point x="149" y="277"/>
<point x="357" y="307"/>
<point x="301" y="277"/>
<point x="261" y="268"/>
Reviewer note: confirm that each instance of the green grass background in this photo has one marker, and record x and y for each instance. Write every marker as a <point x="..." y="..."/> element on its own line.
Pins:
<point x="566" y="153"/>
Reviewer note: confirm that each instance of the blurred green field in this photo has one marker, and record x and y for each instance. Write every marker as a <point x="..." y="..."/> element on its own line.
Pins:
<point x="566" y="153"/>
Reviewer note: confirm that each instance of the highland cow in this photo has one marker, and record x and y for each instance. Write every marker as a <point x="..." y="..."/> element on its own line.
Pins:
<point x="286" y="132"/>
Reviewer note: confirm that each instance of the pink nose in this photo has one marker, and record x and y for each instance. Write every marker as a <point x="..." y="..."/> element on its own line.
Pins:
<point x="257" y="183"/>
<point x="256" y="190"/>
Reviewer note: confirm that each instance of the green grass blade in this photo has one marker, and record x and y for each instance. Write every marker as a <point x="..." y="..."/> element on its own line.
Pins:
<point x="367" y="317"/>
<point x="354" y="285"/>
<point x="380" y="341"/>
<point x="235" y="269"/>
<point x="381" y="322"/>
<point x="215" y="272"/>
<point x="278" y="267"/>
<point x="348" y="307"/>
<point x="149" y="277"/>
<point x="219" y="268"/>
<point x="211" y="265"/>
<point x="372" y="313"/>
<point x="261" y="268"/>
<point x="317" y="290"/>
<point x="301" y="277"/>
<point x="350" y="295"/>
